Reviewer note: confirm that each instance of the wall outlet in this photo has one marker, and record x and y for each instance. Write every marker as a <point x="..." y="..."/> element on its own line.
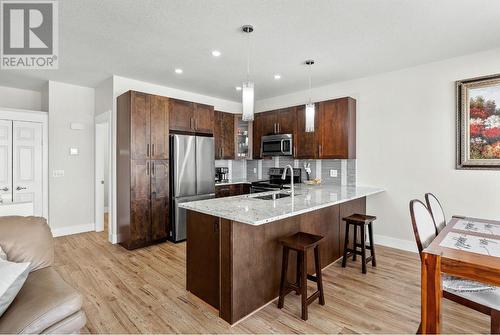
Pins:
<point x="58" y="173"/>
<point x="254" y="170"/>
<point x="333" y="173"/>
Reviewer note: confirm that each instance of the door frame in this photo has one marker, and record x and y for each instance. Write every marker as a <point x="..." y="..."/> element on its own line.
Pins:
<point x="99" y="120"/>
<point x="43" y="118"/>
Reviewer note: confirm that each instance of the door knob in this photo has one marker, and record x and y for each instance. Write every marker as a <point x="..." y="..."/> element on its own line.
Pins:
<point x="5" y="189"/>
<point x="19" y="188"/>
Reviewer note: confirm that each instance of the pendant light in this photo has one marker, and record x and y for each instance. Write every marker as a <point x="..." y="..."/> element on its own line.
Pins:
<point x="248" y="95"/>
<point x="310" y="108"/>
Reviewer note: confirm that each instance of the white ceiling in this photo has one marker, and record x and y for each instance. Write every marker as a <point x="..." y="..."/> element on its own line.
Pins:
<point x="148" y="39"/>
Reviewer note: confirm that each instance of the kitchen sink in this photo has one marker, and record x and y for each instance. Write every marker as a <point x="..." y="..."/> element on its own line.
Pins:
<point x="273" y="196"/>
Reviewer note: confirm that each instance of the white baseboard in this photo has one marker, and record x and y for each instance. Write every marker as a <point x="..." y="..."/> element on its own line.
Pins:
<point x="70" y="230"/>
<point x="395" y="243"/>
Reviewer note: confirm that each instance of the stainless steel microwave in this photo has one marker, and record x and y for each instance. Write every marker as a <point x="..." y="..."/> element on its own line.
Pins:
<point x="277" y="145"/>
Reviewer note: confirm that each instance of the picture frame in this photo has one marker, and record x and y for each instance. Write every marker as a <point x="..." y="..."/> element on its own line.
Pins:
<point x="478" y="123"/>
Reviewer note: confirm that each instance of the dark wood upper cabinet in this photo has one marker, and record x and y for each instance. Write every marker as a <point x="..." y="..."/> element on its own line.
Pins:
<point x="140" y="119"/>
<point x="306" y="143"/>
<point x="186" y="116"/>
<point x="334" y="135"/>
<point x="218" y="134"/>
<point x="337" y="129"/>
<point x="204" y="119"/>
<point x="224" y="135"/>
<point x="257" y="135"/>
<point x="286" y="121"/>
<point x="181" y="115"/>
<point x="159" y="127"/>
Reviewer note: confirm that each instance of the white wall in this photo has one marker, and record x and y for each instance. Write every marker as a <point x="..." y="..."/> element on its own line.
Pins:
<point x="71" y="198"/>
<point x="16" y="98"/>
<point x="406" y="141"/>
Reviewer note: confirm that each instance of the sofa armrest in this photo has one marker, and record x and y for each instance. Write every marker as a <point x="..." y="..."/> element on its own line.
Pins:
<point x="27" y="239"/>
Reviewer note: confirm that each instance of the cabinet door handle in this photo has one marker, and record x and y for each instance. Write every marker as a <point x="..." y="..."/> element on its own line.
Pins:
<point x="152" y="168"/>
<point x="147" y="168"/>
<point x="5" y="189"/>
<point x="19" y="188"/>
<point x="216" y="227"/>
<point x="152" y="150"/>
<point x="147" y="150"/>
<point x="275" y="131"/>
<point x="279" y="128"/>
<point x="320" y="150"/>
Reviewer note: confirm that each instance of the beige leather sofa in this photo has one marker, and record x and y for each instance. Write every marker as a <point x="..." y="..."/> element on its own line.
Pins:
<point x="46" y="303"/>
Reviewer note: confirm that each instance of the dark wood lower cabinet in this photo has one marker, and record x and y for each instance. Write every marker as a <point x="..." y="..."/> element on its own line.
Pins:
<point x="159" y="200"/>
<point x="230" y="190"/>
<point x="140" y="215"/>
<point x="241" y="263"/>
<point x="202" y="257"/>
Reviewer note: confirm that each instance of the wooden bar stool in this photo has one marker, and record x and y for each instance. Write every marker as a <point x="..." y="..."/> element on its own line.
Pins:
<point x="361" y="221"/>
<point x="301" y="243"/>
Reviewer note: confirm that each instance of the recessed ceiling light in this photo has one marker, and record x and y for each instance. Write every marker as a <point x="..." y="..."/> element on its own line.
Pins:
<point x="216" y="53"/>
<point x="277" y="76"/>
<point x="238" y="88"/>
<point x="178" y="71"/>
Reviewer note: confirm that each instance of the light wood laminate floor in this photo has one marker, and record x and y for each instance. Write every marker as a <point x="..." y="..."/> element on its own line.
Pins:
<point x="143" y="291"/>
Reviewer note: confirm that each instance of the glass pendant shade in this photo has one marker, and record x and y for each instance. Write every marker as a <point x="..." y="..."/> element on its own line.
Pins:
<point x="248" y="101"/>
<point x="310" y="111"/>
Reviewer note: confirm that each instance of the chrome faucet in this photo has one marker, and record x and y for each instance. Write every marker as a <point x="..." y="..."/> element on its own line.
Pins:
<point x="283" y="177"/>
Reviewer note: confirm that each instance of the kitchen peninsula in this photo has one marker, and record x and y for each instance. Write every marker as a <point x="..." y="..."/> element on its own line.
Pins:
<point x="233" y="254"/>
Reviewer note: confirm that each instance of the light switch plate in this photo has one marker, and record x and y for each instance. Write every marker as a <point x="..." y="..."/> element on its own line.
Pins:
<point x="254" y="170"/>
<point x="73" y="151"/>
<point x="333" y="173"/>
<point x="58" y="173"/>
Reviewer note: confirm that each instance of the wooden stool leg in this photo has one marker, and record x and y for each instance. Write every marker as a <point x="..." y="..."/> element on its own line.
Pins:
<point x="284" y="269"/>
<point x="297" y="276"/>
<point x="303" y="283"/>
<point x="372" y="245"/>
<point x="363" y="248"/>
<point x="319" y="277"/>
<point x="495" y="322"/>
<point x="346" y="244"/>
<point x="354" y="242"/>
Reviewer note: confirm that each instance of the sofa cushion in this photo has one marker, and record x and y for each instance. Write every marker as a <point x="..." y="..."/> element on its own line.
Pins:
<point x="44" y="300"/>
<point x="27" y="239"/>
<point x="13" y="275"/>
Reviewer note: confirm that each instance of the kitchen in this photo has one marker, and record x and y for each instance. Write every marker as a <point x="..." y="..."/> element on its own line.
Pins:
<point x="181" y="144"/>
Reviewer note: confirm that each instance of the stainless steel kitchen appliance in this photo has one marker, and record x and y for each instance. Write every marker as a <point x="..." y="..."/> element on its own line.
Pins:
<point x="221" y="174"/>
<point x="277" y="145"/>
<point x="275" y="182"/>
<point x="192" y="176"/>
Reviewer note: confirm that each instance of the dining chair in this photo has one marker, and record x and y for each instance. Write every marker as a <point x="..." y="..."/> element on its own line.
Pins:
<point x="480" y="297"/>
<point x="437" y="211"/>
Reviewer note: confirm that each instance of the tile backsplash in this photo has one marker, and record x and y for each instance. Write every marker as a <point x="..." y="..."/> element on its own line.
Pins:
<point x="345" y="169"/>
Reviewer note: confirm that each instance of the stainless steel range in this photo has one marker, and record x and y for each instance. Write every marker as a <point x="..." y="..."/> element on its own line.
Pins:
<point x="275" y="182"/>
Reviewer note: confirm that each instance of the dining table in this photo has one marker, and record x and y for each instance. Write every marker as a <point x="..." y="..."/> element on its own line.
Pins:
<point x="468" y="248"/>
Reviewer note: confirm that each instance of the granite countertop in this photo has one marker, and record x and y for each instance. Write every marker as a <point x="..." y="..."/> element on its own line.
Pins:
<point x="234" y="181"/>
<point x="247" y="209"/>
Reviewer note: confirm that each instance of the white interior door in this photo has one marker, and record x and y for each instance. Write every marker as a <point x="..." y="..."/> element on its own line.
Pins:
<point x="100" y="151"/>
<point x="6" y="161"/>
<point x="27" y="164"/>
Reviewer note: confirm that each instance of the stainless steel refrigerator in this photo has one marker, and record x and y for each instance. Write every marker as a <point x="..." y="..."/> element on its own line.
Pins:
<point x="192" y="177"/>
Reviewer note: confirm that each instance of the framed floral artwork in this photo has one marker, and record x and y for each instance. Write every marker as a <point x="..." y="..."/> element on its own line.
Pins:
<point x="478" y="123"/>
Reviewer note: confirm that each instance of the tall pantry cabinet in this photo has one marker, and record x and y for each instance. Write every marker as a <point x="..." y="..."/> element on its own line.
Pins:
<point x="142" y="169"/>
